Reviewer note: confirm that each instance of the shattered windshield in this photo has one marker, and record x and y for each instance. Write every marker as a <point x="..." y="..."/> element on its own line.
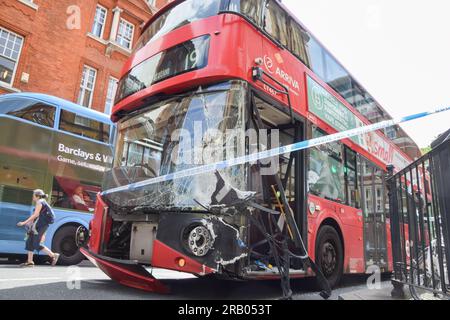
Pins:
<point x="200" y="127"/>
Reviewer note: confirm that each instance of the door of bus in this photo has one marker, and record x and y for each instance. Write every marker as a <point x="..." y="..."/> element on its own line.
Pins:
<point x="373" y="192"/>
<point x="282" y="131"/>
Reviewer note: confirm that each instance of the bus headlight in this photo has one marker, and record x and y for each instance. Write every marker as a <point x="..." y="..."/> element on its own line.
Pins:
<point x="200" y="241"/>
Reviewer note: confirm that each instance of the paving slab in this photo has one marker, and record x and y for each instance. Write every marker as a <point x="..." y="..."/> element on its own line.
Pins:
<point x="383" y="293"/>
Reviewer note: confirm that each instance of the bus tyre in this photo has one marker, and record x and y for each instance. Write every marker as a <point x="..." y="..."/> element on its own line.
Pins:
<point x="330" y="254"/>
<point x="64" y="243"/>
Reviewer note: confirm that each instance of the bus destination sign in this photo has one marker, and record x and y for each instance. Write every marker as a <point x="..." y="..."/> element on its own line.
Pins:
<point x="188" y="56"/>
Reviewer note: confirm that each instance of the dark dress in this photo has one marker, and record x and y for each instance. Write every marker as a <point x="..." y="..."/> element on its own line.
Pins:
<point x="33" y="242"/>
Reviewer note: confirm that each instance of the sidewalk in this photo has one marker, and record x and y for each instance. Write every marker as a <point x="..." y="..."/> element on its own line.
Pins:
<point x="376" y="294"/>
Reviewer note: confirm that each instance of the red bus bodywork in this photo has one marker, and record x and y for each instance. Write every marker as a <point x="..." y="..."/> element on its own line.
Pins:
<point x="236" y="46"/>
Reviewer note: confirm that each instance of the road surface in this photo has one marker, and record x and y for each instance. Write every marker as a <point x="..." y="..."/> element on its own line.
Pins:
<point x="86" y="282"/>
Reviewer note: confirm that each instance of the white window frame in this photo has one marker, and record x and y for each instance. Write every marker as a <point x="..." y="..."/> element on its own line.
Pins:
<point x="83" y="87"/>
<point x="13" y="77"/>
<point x="132" y="35"/>
<point x="30" y="3"/>
<point x="104" y="23"/>
<point x="110" y="79"/>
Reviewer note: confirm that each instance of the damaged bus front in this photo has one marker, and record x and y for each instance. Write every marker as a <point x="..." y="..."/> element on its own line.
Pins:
<point x="188" y="224"/>
<point x="234" y="223"/>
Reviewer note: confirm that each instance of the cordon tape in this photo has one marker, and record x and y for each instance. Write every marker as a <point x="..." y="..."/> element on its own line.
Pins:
<point x="302" y="145"/>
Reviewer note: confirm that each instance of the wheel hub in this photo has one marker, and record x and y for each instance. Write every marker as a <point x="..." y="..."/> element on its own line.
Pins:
<point x="329" y="262"/>
<point x="68" y="247"/>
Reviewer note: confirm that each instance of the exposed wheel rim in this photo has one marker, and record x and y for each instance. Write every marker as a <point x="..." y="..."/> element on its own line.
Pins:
<point x="328" y="259"/>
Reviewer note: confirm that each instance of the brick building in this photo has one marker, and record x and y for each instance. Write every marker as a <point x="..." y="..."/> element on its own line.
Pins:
<point x="73" y="49"/>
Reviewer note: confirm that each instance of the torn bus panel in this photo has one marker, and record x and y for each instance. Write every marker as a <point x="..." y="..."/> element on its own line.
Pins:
<point x="127" y="273"/>
<point x="210" y="240"/>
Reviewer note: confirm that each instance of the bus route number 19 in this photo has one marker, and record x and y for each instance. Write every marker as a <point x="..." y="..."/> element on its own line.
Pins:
<point x="191" y="60"/>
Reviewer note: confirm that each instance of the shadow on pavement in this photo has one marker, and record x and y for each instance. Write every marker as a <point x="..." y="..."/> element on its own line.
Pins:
<point x="190" y="289"/>
<point x="16" y="261"/>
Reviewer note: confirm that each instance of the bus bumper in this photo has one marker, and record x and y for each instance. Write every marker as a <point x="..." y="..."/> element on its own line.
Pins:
<point x="128" y="273"/>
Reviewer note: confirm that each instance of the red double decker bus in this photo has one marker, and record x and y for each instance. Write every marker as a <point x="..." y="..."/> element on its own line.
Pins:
<point x="210" y="67"/>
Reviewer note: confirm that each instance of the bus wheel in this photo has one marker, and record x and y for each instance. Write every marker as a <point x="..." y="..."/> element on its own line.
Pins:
<point x="330" y="255"/>
<point x="64" y="243"/>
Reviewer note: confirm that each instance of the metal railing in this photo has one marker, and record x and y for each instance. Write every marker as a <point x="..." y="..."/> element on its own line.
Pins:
<point x="419" y="205"/>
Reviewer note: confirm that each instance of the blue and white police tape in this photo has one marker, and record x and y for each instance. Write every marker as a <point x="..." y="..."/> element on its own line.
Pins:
<point x="302" y="145"/>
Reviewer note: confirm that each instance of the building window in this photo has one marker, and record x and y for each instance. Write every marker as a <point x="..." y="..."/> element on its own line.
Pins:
<point x="111" y="94"/>
<point x="125" y="34"/>
<point x="99" y="21"/>
<point x="30" y="3"/>
<point x="87" y="86"/>
<point x="10" y="48"/>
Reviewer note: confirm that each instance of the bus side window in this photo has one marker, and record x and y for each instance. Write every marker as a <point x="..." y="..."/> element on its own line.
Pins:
<point x="30" y="110"/>
<point x="351" y="178"/>
<point x="337" y="77"/>
<point x="297" y="42"/>
<point x="316" y="55"/>
<point x="74" y="194"/>
<point x="326" y="177"/>
<point x="84" y="127"/>
<point x="249" y="8"/>
<point x="16" y="195"/>
<point x="275" y="23"/>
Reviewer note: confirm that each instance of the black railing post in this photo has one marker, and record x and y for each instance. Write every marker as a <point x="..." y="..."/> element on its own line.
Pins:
<point x="442" y="156"/>
<point x="391" y="183"/>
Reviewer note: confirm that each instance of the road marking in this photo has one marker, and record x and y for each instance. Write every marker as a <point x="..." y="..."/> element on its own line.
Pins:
<point x="30" y="279"/>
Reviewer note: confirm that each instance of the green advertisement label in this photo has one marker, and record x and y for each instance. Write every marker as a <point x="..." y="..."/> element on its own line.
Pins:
<point x="329" y="109"/>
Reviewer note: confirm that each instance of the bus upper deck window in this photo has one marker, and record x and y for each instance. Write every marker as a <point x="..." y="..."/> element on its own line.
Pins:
<point x="84" y="127"/>
<point x="249" y="8"/>
<point x="297" y="42"/>
<point x="180" y="15"/>
<point x="316" y="55"/>
<point x="30" y="110"/>
<point x="275" y="23"/>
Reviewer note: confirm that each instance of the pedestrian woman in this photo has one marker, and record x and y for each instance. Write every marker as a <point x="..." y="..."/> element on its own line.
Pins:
<point x="38" y="224"/>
